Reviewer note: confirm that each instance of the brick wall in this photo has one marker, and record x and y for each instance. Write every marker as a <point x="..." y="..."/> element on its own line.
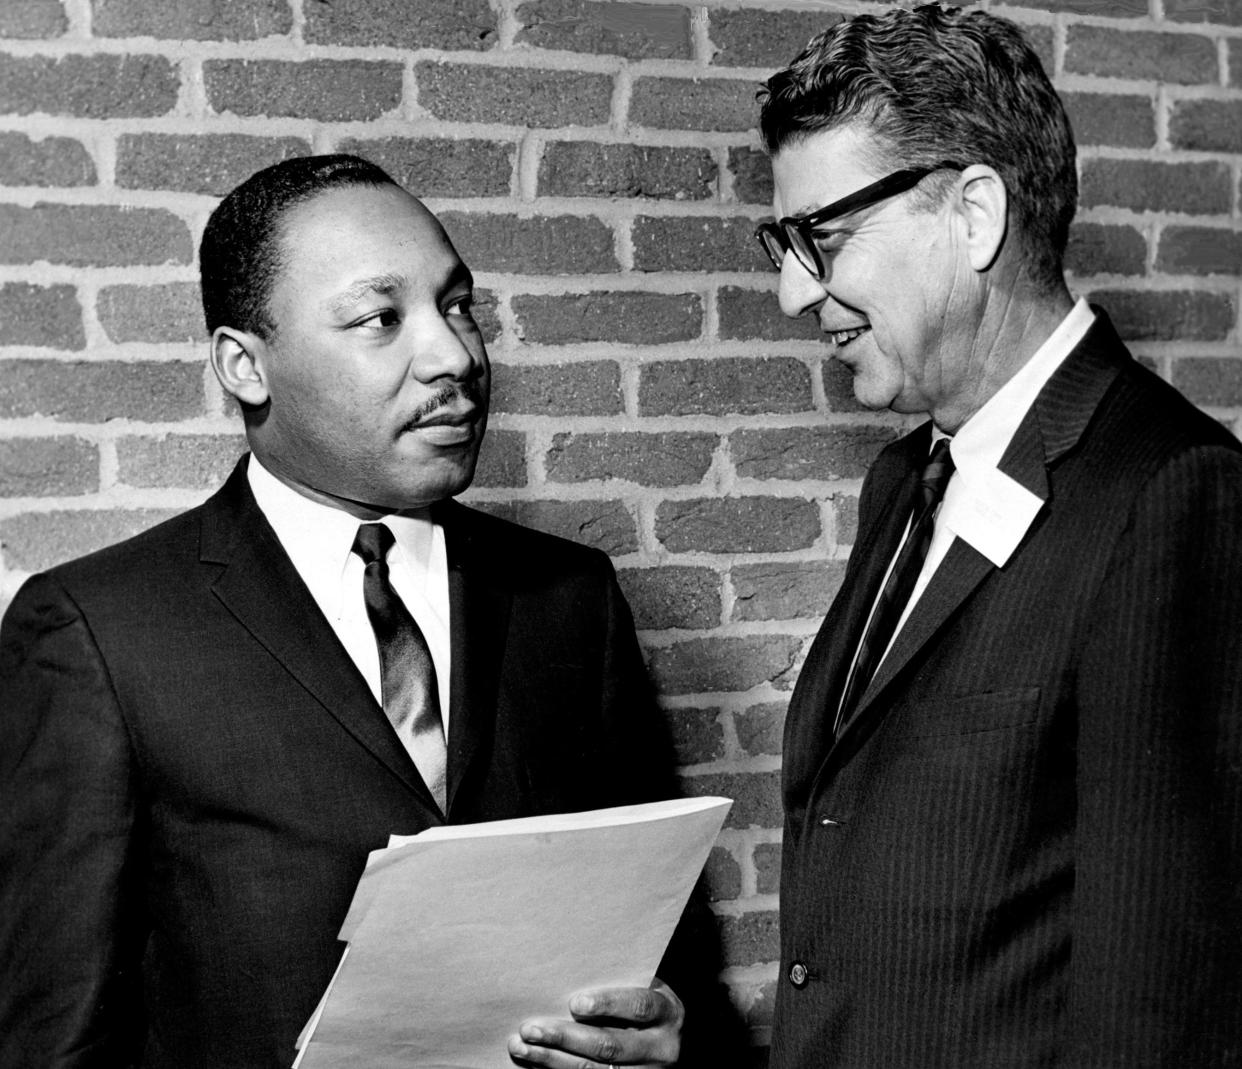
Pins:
<point x="597" y="166"/>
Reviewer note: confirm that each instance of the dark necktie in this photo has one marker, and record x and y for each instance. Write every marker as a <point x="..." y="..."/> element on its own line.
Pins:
<point x="410" y="695"/>
<point x="901" y="582"/>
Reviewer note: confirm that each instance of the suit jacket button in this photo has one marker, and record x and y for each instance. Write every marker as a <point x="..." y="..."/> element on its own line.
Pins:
<point x="797" y="974"/>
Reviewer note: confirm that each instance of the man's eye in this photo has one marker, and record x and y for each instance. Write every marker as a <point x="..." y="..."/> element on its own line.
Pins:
<point x="463" y="306"/>
<point x="829" y="240"/>
<point x="380" y="320"/>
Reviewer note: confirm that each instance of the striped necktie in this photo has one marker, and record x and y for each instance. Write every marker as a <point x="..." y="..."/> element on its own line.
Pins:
<point x="411" y="697"/>
<point x="901" y="582"/>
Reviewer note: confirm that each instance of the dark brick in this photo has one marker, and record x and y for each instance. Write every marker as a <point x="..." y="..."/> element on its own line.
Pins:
<point x="608" y="315"/>
<point x="1179" y="58"/>
<point x="34" y="541"/>
<point x="486" y="315"/>
<point x="737" y="524"/>
<point x="823" y="453"/>
<point x="724" y="386"/>
<point x="518" y="96"/>
<point x="696" y="243"/>
<point x="44" y="316"/>
<point x="606" y="525"/>
<point x="502" y="460"/>
<point x="325" y="89"/>
<point x="697" y="735"/>
<point x="672" y="596"/>
<point x="750" y="938"/>
<point x="1207" y="125"/>
<point x="755" y="314"/>
<point x="92" y="87"/>
<point x="52" y="161"/>
<point x="1100" y="249"/>
<point x="92" y="235"/>
<point x="660" y="458"/>
<point x="96" y="392"/>
<point x="722" y="876"/>
<point x="210" y="163"/>
<point x="752" y="175"/>
<point x="637" y="31"/>
<point x="450" y="24"/>
<point x="167" y="312"/>
<point x="1200" y="250"/>
<point x="1235" y="62"/>
<point x="1119" y="9"/>
<point x="588" y="389"/>
<point x="1124" y="120"/>
<point x="708" y="665"/>
<point x="1168" y="315"/>
<point x="1040" y="40"/>
<point x="193" y="20"/>
<point x="32" y="19"/>
<point x="48" y="467"/>
<point x="760" y="729"/>
<point x="538" y="245"/>
<point x="767" y="859"/>
<point x="756" y="38"/>
<point x="1226" y="12"/>
<point x="1209" y="380"/>
<point x="442" y="167"/>
<point x="781" y="590"/>
<point x="839" y="387"/>
<point x="589" y="169"/>
<point x="1143" y="185"/>
<point x="694" y="104"/>
<point x="845" y="509"/>
<point x="756" y="795"/>
<point x="195" y="461"/>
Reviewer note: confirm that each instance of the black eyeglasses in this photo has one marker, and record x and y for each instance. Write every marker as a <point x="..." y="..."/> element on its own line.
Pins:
<point x="796" y="233"/>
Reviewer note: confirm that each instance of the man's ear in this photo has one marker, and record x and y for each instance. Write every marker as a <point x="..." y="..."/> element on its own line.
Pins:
<point x="982" y="204"/>
<point x="239" y="360"/>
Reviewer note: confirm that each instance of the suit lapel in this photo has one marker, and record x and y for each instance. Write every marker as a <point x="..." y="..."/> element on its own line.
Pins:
<point x="479" y="605"/>
<point x="264" y="592"/>
<point x="1055" y="423"/>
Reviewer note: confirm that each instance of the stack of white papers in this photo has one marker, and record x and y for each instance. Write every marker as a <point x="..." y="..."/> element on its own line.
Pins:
<point x="458" y="934"/>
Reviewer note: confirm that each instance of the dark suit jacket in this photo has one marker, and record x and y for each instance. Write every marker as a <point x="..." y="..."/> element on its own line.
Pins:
<point x="192" y="772"/>
<point x="1025" y="851"/>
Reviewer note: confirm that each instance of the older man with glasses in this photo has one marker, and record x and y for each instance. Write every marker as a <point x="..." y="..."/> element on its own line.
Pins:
<point x="1013" y="759"/>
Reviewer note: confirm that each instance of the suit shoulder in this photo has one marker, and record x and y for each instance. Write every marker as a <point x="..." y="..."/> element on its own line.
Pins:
<point x="529" y="549"/>
<point x="170" y="542"/>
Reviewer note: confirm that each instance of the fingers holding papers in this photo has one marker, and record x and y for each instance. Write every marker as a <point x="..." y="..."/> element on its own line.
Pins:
<point x="614" y="1026"/>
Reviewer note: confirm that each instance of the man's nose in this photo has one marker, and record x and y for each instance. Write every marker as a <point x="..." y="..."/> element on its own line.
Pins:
<point x="441" y="352"/>
<point x="800" y="291"/>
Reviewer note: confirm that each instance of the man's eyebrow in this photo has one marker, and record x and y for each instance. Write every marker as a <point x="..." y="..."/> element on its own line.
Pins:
<point x="383" y="285"/>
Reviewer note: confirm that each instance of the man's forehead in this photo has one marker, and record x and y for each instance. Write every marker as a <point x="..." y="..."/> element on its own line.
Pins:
<point x="817" y="168"/>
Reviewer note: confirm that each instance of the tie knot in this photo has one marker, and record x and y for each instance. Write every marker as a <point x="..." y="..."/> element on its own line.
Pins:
<point x="372" y="542"/>
<point x="937" y="472"/>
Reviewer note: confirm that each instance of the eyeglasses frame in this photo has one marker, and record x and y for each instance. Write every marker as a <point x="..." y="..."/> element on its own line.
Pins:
<point x="803" y="225"/>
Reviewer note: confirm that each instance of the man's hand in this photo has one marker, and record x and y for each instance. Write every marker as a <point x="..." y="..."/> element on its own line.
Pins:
<point x="611" y="1026"/>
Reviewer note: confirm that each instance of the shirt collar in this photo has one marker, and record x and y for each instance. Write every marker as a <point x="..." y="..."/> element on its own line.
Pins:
<point x="318" y="537"/>
<point x="982" y="440"/>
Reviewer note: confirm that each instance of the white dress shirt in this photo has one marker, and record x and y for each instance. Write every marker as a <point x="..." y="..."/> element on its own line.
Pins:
<point x="981" y="505"/>
<point x="318" y="538"/>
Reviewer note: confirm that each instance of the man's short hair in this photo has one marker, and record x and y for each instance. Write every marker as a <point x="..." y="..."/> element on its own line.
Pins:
<point x="240" y="255"/>
<point x="935" y="84"/>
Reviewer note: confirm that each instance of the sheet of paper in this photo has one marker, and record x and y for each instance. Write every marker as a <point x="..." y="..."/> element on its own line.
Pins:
<point x="458" y="934"/>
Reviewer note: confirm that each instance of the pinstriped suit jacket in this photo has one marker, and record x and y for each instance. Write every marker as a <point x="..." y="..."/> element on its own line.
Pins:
<point x="1026" y="849"/>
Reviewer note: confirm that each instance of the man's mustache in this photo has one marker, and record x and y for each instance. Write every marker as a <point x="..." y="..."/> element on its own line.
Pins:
<point x="466" y="394"/>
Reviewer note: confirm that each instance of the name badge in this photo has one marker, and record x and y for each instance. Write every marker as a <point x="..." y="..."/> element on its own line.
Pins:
<point x="991" y="511"/>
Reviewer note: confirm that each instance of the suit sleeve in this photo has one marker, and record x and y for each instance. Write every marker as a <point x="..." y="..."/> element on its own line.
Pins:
<point x="1157" y="942"/>
<point x="69" y="942"/>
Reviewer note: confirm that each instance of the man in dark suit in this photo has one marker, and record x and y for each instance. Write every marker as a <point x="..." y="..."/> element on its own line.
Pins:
<point x="1013" y="757"/>
<point x="205" y="729"/>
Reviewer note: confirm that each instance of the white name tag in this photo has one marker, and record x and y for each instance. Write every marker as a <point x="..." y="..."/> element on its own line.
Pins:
<point x="991" y="511"/>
